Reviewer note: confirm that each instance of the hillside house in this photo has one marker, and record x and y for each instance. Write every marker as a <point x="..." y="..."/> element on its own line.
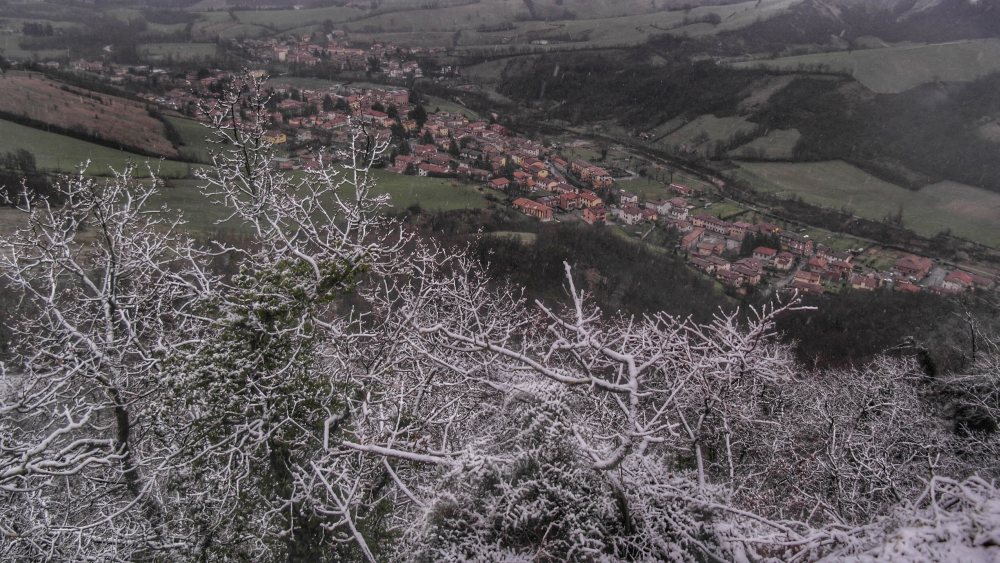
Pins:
<point x="588" y="198"/>
<point x="628" y="198"/>
<point x="581" y="168"/>
<point x="711" y="223"/>
<point x="690" y="240"/>
<point x="708" y="247"/>
<point x="767" y="228"/>
<point x="568" y="201"/>
<point x="784" y="261"/>
<point x="731" y="278"/>
<point x="533" y="209"/>
<point x="817" y="264"/>
<point x="500" y="184"/>
<point x="595" y="214"/>
<point x="600" y="178"/>
<point x="764" y="253"/>
<point x="751" y="269"/>
<point x="661" y="206"/>
<point x="631" y="215"/>
<point x="957" y="282"/>
<point x="796" y="243"/>
<point x="682" y="190"/>
<point x="861" y="282"/>
<point x="915" y="267"/>
<point x="808" y="278"/>
<point x="433" y="170"/>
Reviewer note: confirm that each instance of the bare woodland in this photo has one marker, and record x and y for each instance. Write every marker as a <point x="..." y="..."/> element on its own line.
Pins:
<point x="337" y="389"/>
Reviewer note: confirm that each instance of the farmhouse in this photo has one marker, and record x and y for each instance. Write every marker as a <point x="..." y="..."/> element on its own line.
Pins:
<point x="916" y="267"/>
<point x="427" y="169"/>
<point x="957" y="281"/>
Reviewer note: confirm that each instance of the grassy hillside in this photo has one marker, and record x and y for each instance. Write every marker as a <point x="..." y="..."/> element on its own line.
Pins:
<point x="899" y="68"/>
<point x="778" y="144"/>
<point x="434" y="194"/>
<point x="194" y="137"/>
<point x="58" y="153"/>
<point x="624" y="30"/>
<point x="178" y="52"/>
<point x="103" y="117"/>
<point x="966" y="211"/>
<point x="704" y="132"/>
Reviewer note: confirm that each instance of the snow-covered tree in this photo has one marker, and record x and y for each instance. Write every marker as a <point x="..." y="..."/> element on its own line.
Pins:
<point x="346" y="391"/>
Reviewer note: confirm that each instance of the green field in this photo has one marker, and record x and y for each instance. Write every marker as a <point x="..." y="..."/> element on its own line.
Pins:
<point x="434" y="104"/>
<point x="969" y="212"/>
<point x="447" y="18"/>
<point x="58" y="153"/>
<point x="430" y="193"/>
<point x="626" y="30"/>
<point x="178" y="52"/>
<point x="704" y="132"/>
<point x="775" y="145"/>
<point x="284" y="20"/>
<point x="437" y="194"/>
<point x="901" y="67"/>
<point x="646" y="188"/>
<point x="194" y="135"/>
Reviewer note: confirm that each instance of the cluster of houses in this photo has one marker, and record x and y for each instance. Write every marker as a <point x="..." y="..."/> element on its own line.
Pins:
<point x="117" y="74"/>
<point x="716" y="247"/>
<point x="311" y="49"/>
<point x="814" y="268"/>
<point x="452" y="145"/>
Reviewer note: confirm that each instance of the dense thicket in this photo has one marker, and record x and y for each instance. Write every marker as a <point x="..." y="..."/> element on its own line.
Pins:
<point x="620" y="274"/>
<point x="592" y="87"/>
<point x="925" y="134"/>
<point x="853" y="327"/>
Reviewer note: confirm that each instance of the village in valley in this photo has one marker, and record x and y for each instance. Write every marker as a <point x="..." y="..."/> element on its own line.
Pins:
<point x="743" y="250"/>
<point x="547" y="184"/>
